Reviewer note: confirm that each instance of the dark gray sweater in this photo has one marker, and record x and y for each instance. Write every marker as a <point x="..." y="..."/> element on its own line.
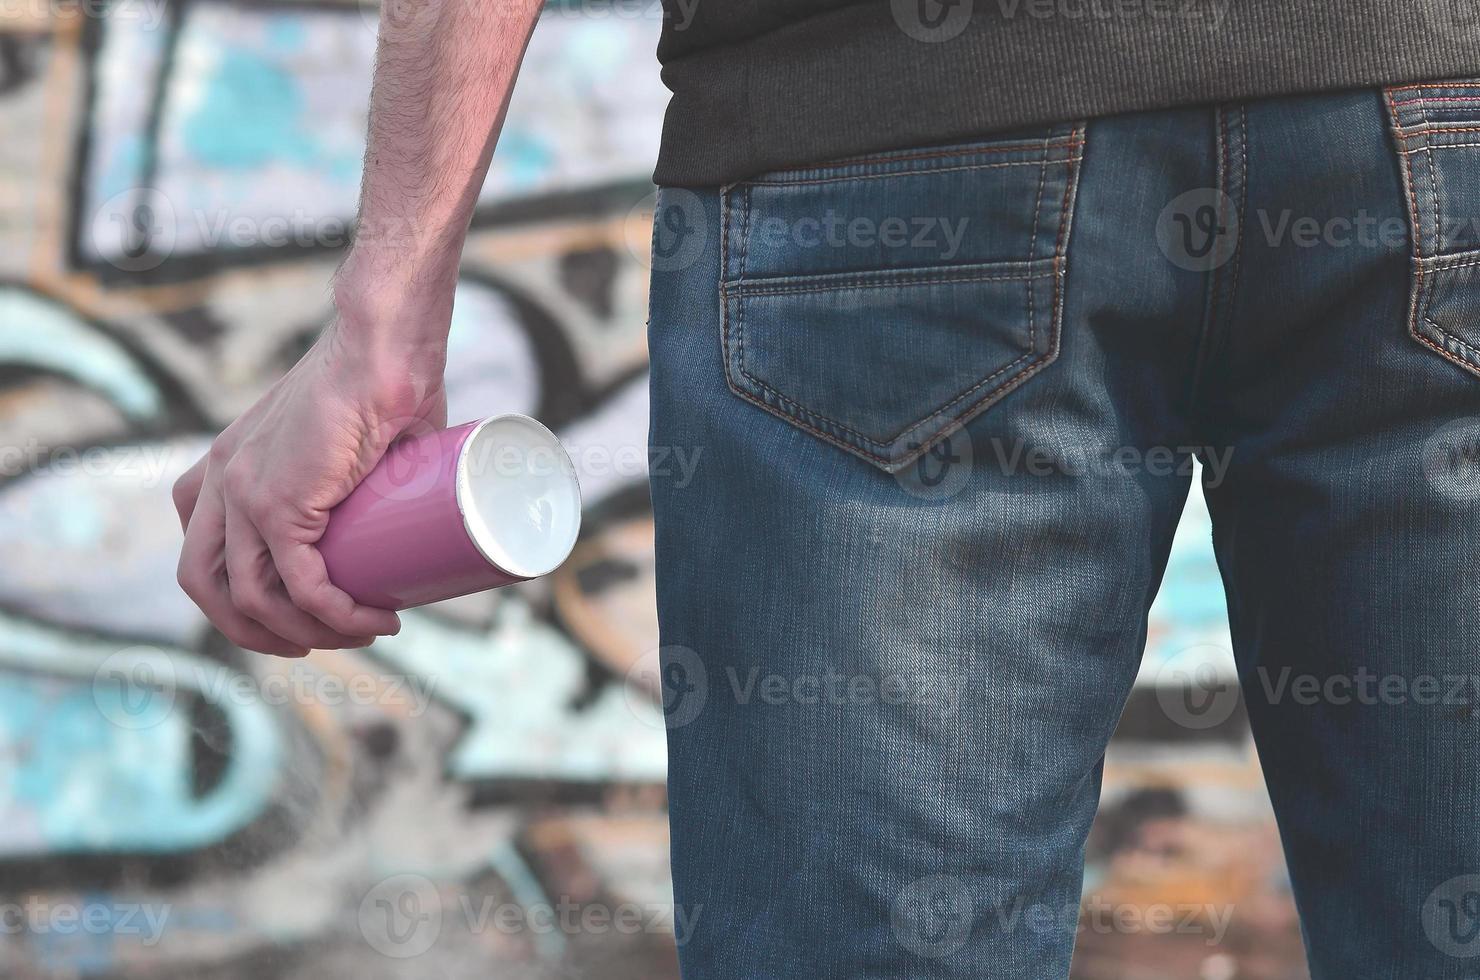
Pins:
<point x="759" y="84"/>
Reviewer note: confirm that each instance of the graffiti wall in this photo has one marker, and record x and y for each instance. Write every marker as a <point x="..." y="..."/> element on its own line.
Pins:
<point x="482" y="794"/>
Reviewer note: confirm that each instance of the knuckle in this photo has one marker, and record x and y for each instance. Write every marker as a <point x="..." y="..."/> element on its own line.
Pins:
<point x="250" y="602"/>
<point x="238" y="479"/>
<point x="185" y="578"/>
<point x="180" y="493"/>
<point x="258" y="508"/>
<point x="220" y="453"/>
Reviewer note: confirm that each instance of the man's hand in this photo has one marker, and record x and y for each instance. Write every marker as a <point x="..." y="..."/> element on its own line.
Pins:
<point x="255" y="506"/>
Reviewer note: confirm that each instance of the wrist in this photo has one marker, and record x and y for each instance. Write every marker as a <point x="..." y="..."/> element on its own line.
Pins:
<point x="388" y="345"/>
<point x="383" y="310"/>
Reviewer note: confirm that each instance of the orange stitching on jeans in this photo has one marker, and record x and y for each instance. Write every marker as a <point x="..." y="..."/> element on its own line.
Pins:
<point x="1429" y="147"/>
<point x="1448" y="355"/>
<point x="1060" y="257"/>
<point x="1420" y="287"/>
<point x="740" y="275"/>
<point x="1438" y="99"/>
<point x="794" y="420"/>
<point x="1459" y="83"/>
<point x="724" y="273"/>
<point x="1429" y="303"/>
<point x="1445" y="331"/>
<point x="1446" y="267"/>
<point x="1071" y="178"/>
<point x="913" y="426"/>
<point x="1417" y="227"/>
<point x="1033" y="245"/>
<point x="1415" y="132"/>
<point x="1423" y="115"/>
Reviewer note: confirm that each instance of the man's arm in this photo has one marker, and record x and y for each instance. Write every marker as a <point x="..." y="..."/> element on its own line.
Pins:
<point x="255" y="506"/>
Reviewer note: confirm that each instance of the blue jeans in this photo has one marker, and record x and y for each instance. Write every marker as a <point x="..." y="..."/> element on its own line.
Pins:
<point x="947" y="401"/>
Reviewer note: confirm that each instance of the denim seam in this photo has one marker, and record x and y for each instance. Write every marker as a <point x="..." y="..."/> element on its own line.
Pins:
<point x="1470" y="261"/>
<point x="1242" y="204"/>
<point x="844" y="278"/>
<point x="1033" y="245"/>
<point x="1436" y="146"/>
<point x="911" y="277"/>
<point x="1423" y="115"/>
<point x="841" y="178"/>
<point x="1406" y="133"/>
<point x="739" y="303"/>
<point x="881" y="443"/>
<point x="799" y="415"/>
<point x="918" y="423"/>
<point x="1460" y="83"/>
<point x="965" y="150"/>
<point x="1440" y="100"/>
<point x="1205" y="338"/>
<point x="1429" y="302"/>
<point x="829" y="171"/>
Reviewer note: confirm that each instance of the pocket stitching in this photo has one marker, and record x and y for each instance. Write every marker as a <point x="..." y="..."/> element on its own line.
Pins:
<point x="796" y="406"/>
<point x="1422" y="289"/>
<point x="829" y="171"/>
<point x="901" y="173"/>
<point x="1428" y="294"/>
<point x="903" y="277"/>
<point x="800" y="415"/>
<point x="1033" y="245"/>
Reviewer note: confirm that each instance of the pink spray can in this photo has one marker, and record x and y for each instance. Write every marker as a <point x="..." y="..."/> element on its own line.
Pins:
<point x="445" y="513"/>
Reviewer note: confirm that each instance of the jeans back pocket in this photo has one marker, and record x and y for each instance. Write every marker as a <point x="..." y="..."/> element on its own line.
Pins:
<point x="1436" y="127"/>
<point x="881" y="301"/>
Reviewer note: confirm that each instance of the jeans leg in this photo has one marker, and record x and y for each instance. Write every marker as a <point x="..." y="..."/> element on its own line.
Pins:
<point x="888" y="706"/>
<point x="1346" y="529"/>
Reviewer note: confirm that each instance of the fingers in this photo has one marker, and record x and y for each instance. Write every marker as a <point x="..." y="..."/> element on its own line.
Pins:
<point x="307" y="581"/>
<point x="187" y="490"/>
<point x="257" y="592"/>
<point x="202" y="574"/>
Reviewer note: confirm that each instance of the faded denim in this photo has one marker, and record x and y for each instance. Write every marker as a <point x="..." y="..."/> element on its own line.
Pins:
<point x="903" y="596"/>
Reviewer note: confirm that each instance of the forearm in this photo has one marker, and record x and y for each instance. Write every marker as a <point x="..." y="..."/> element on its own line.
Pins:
<point x="444" y="72"/>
